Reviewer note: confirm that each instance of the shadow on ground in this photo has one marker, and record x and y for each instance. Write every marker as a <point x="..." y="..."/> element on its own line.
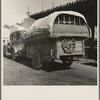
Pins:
<point x="54" y="66"/>
<point x="49" y="66"/>
<point x="90" y="64"/>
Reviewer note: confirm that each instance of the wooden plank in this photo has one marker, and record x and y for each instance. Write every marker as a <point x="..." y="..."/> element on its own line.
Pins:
<point x="70" y="30"/>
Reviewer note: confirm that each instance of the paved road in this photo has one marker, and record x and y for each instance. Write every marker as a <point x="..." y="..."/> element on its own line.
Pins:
<point x="22" y="73"/>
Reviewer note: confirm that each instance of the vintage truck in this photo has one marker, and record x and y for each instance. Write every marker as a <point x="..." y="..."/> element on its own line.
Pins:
<point x="58" y="36"/>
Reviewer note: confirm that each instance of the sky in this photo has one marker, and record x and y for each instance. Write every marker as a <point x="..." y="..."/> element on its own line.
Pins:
<point x="14" y="11"/>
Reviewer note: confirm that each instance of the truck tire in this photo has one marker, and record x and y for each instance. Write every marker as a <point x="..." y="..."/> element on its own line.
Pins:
<point x="67" y="62"/>
<point x="4" y="54"/>
<point x="13" y="56"/>
<point x="36" y="60"/>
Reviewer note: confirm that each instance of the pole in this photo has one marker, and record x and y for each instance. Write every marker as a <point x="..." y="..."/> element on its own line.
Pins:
<point x="28" y="12"/>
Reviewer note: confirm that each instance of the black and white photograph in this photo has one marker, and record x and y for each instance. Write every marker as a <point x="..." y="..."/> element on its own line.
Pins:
<point x="50" y="43"/>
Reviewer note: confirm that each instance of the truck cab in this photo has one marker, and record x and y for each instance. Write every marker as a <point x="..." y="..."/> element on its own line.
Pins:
<point x="17" y="44"/>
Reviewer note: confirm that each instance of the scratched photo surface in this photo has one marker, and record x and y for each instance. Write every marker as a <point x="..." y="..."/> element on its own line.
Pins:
<point x="49" y="42"/>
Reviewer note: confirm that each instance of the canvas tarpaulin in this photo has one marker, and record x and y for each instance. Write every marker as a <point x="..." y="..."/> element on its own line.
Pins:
<point x="47" y="23"/>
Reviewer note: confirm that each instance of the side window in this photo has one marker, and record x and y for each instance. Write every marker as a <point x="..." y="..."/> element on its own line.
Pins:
<point x="69" y="20"/>
<point x="14" y="36"/>
<point x="11" y="37"/>
<point x="18" y="36"/>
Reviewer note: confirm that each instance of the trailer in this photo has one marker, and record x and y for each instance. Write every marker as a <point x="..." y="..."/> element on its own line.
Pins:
<point x="58" y="36"/>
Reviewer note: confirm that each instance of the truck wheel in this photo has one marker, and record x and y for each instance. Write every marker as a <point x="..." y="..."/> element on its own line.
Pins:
<point x="4" y="54"/>
<point x="67" y="63"/>
<point x="36" y="60"/>
<point x="13" y="56"/>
